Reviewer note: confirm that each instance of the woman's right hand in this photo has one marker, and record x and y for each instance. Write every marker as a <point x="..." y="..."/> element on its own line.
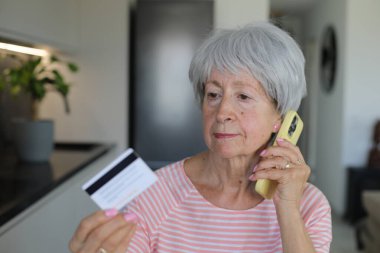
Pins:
<point x="104" y="231"/>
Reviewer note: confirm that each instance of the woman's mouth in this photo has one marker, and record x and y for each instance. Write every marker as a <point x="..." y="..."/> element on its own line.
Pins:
<point x="224" y="135"/>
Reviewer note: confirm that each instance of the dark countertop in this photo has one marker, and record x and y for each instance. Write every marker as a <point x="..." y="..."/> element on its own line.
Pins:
<point x="22" y="184"/>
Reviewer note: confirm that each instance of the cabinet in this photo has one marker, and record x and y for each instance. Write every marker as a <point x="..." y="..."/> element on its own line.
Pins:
<point x="52" y="23"/>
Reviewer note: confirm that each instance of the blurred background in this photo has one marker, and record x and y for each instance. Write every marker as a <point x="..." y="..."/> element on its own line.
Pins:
<point x="133" y="87"/>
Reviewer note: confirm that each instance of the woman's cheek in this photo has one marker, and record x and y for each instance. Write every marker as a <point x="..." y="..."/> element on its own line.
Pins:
<point x="246" y="105"/>
<point x="207" y="125"/>
<point x="212" y="102"/>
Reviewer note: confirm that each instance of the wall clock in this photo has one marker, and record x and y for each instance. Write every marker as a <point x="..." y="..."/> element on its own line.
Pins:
<point x="328" y="60"/>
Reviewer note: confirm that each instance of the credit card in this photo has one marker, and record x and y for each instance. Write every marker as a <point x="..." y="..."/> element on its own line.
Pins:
<point x="121" y="181"/>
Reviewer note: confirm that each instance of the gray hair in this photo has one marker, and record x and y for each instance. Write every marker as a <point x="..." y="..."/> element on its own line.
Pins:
<point x="262" y="49"/>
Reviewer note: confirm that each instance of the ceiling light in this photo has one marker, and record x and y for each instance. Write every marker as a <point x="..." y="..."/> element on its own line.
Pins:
<point x="24" y="50"/>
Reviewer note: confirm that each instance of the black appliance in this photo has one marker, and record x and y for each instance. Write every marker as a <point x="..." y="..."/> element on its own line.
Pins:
<point x="166" y="123"/>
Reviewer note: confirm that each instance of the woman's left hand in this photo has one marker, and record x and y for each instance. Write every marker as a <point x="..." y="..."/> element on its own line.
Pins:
<point x="284" y="164"/>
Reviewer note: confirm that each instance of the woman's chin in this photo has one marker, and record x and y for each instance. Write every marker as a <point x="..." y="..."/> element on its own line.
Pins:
<point x="226" y="153"/>
<point x="231" y="151"/>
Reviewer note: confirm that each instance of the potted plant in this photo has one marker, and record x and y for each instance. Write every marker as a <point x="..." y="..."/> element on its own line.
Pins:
<point x="35" y="77"/>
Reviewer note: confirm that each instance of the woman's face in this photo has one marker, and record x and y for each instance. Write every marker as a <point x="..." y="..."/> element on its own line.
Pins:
<point x="238" y="116"/>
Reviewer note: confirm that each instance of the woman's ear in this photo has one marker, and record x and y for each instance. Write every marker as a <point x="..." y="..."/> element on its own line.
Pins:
<point x="277" y="125"/>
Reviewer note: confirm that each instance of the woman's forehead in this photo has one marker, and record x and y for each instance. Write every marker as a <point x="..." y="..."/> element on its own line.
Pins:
<point x="238" y="79"/>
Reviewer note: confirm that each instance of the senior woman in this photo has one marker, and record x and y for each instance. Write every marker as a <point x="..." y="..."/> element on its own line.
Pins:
<point x="245" y="79"/>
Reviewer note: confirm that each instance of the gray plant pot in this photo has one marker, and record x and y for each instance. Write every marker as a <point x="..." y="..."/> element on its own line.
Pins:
<point x="33" y="139"/>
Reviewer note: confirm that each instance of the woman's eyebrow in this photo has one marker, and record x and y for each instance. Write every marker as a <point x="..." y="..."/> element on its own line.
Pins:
<point x="238" y="84"/>
<point x="214" y="82"/>
<point x="247" y="85"/>
<point x="241" y="83"/>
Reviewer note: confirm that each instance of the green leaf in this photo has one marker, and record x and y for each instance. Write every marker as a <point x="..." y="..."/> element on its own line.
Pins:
<point x="15" y="90"/>
<point x="25" y="77"/>
<point x="36" y="62"/>
<point x="58" y="77"/>
<point x="41" y="70"/>
<point x="38" y="90"/>
<point x="54" y="58"/>
<point x="63" y="89"/>
<point x="14" y="76"/>
<point x="2" y="84"/>
<point x="73" y="67"/>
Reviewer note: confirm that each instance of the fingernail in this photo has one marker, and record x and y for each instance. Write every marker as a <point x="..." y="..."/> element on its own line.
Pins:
<point x="130" y="217"/>
<point x="263" y="152"/>
<point x="254" y="168"/>
<point x="252" y="177"/>
<point x="111" y="212"/>
<point x="280" y="140"/>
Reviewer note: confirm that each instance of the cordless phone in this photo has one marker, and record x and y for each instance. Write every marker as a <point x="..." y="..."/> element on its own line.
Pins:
<point x="290" y="130"/>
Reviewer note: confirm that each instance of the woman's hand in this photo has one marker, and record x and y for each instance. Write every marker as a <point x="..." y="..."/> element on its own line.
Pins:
<point x="104" y="231"/>
<point x="284" y="164"/>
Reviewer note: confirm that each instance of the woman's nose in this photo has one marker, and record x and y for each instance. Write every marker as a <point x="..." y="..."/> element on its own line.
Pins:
<point x="225" y="111"/>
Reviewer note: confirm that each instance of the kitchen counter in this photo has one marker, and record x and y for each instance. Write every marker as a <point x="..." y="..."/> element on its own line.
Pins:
<point x="22" y="184"/>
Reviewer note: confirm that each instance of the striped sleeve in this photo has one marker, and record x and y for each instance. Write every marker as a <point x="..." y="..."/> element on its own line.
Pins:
<point x="151" y="207"/>
<point x="316" y="213"/>
<point x="140" y="240"/>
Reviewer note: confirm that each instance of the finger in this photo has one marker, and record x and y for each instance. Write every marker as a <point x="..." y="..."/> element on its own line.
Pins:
<point x="284" y="149"/>
<point x="88" y="224"/>
<point x="123" y="246"/>
<point x="115" y="239"/>
<point x="282" y="175"/>
<point x="291" y="146"/>
<point x="295" y="157"/>
<point x="272" y="162"/>
<point x="272" y="174"/>
<point x="101" y="233"/>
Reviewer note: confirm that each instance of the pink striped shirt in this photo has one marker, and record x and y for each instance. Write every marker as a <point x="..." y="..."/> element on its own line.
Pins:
<point x="174" y="217"/>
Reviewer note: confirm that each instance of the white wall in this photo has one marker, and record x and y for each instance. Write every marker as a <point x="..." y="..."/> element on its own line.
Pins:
<point x="329" y="171"/>
<point x="229" y="14"/>
<point x="47" y="22"/>
<point x="362" y="97"/>
<point x="345" y="117"/>
<point x="98" y="97"/>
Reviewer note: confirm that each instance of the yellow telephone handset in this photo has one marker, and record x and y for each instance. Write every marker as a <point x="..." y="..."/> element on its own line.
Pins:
<point x="290" y="130"/>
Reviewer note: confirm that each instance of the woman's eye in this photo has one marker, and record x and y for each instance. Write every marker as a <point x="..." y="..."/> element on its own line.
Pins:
<point x="243" y="97"/>
<point x="212" y="95"/>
